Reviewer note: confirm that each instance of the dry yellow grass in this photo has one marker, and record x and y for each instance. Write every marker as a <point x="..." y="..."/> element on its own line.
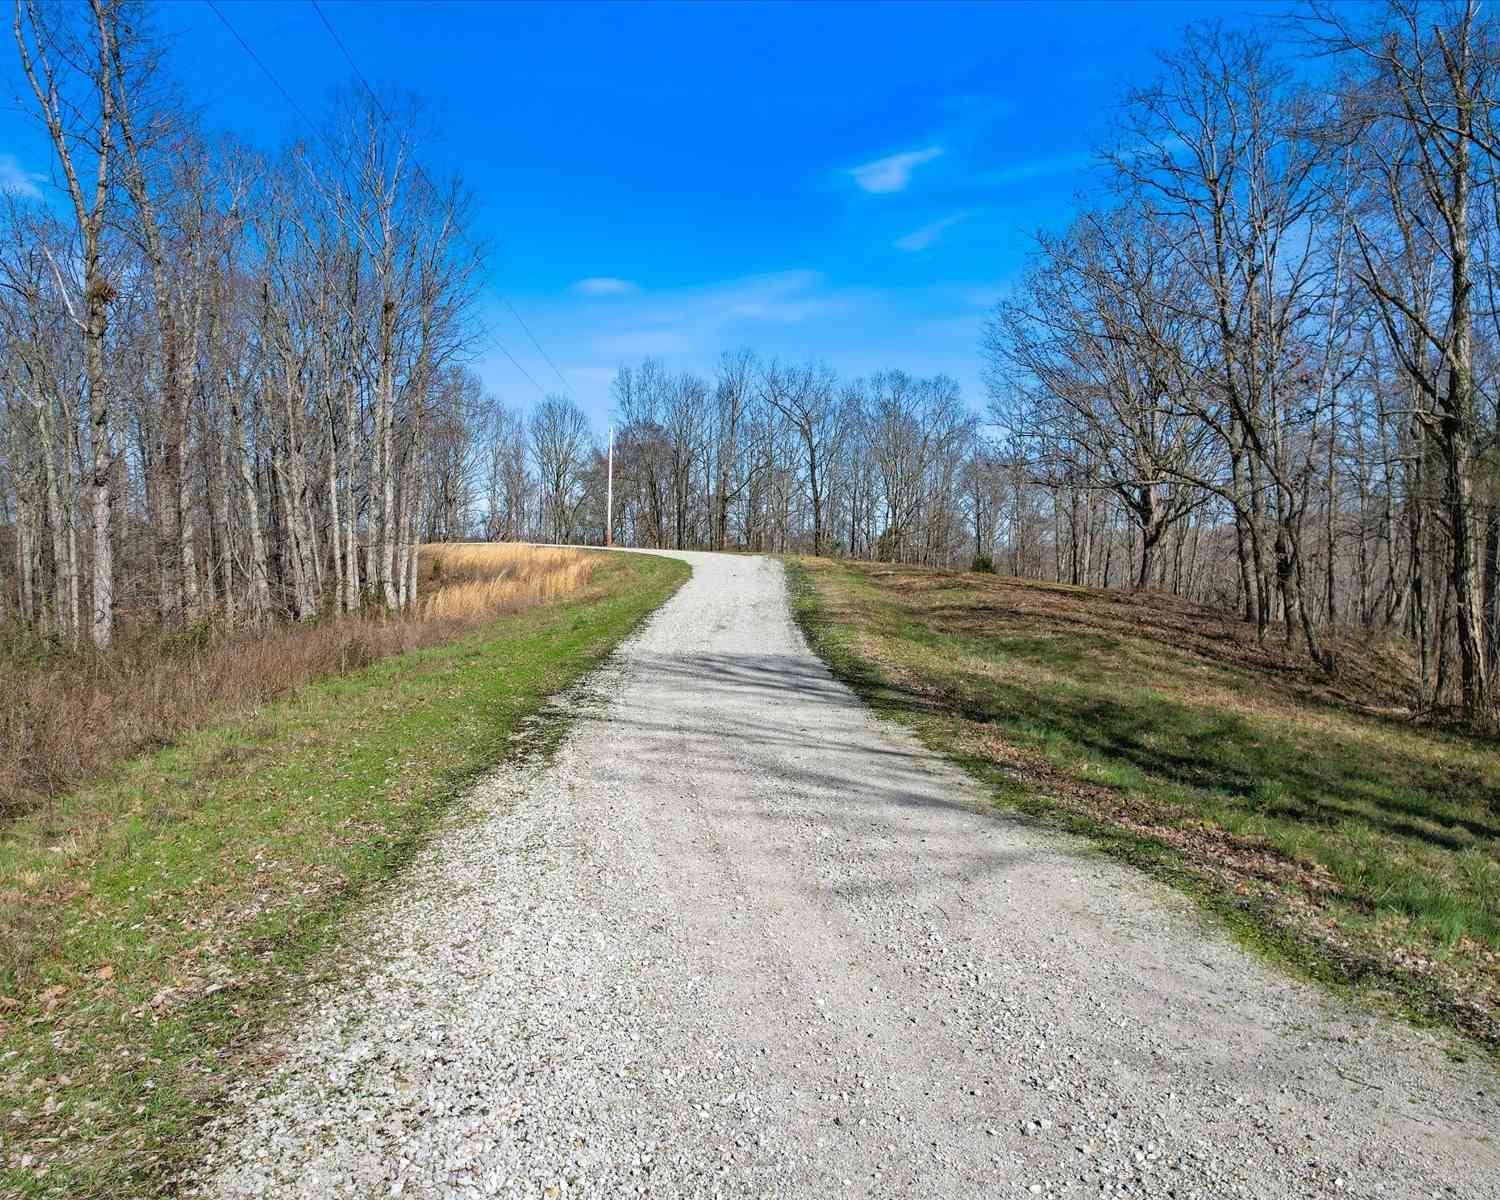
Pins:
<point x="467" y="581"/>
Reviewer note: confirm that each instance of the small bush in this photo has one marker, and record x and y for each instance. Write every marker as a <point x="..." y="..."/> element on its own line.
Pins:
<point x="190" y="639"/>
<point x="983" y="564"/>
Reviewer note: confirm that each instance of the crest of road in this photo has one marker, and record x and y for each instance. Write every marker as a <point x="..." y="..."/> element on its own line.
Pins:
<point x="738" y="937"/>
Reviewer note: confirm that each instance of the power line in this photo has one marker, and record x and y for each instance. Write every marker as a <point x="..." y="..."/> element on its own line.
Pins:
<point x="265" y="70"/>
<point x="349" y="58"/>
<point x="358" y="74"/>
<point x="313" y="125"/>
<point x="520" y="368"/>
<point x="546" y="357"/>
<point x="276" y="83"/>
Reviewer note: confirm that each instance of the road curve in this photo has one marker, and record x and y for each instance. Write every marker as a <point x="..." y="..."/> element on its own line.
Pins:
<point x="739" y="938"/>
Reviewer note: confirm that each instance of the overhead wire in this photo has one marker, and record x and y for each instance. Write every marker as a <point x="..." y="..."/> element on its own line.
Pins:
<point x="375" y="99"/>
<point x="491" y="331"/>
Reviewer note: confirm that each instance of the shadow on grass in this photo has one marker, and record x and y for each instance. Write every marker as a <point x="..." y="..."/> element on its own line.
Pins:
<point x="1097" y="690"/>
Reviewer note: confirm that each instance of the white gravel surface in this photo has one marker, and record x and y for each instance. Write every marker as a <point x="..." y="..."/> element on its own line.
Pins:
<point x="738" y="938"/>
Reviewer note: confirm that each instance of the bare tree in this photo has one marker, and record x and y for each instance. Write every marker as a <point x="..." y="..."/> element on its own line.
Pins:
<point x="560" y="442"/>
<point x="1422" y="109"/>
<point x="70" y="67"/>
<point x="1091" y="362"/>
<point x="805" y="397"/>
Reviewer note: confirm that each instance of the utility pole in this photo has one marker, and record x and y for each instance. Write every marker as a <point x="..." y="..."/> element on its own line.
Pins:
<point x="609" y="493"/>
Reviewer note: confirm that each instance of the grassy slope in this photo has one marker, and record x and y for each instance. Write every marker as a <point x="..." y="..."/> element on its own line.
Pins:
<point x="170" y="910"/>
<point x="1321" y="827"/>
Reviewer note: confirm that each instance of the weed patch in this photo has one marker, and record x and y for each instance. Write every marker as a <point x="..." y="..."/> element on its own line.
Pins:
<point x="67" y="715"/>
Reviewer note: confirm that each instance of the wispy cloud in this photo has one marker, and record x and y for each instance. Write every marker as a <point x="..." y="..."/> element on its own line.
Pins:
<point x="1036" y="168"/>
<point x="683" y="324"/>
<point x="782" y="297"/>
<point x="15" y="178"/>
<point x="598" y="375"/>
<point x="779" y="297"/>
<point x="605" y="285"/>
<point x="795" y="315"/>
<point x="644" y="343"/>
<point x="893" y="173"/>
<point x="921" y="239"/>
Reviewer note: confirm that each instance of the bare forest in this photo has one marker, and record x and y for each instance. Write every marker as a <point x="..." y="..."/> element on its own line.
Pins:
<point x="229" y="381"/>
<point x="1257" y="369"/>
<point x="1265" y="348"/>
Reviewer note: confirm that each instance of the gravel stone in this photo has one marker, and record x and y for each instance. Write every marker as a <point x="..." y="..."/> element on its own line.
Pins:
<point x="739" y="938"/>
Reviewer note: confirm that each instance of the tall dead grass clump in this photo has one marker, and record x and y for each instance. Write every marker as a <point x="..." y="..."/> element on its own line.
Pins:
<point x="68" y="717"/>
<point x="474" y="581"/>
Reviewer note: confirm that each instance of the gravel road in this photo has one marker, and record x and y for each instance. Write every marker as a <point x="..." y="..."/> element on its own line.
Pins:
<point x="738" y="938"/>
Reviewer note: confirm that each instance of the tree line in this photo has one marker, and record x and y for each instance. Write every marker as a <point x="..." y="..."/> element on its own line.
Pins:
<point x="228" y="377"/>
<point x="1257" y="368"/>
<point x="767" y="455"/>
<point x="763" y="455"/>
<point x="1269" y="335"/>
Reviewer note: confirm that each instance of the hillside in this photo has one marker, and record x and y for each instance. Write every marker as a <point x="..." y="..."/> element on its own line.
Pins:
<point x="1313" y="814"/>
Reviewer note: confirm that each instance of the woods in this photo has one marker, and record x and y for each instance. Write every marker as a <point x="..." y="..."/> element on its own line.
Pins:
<point x="769" y="456"/>
<point x="1256" y="367"/>
<point x="228" y="378"/>
<point x="1269" y="337"/>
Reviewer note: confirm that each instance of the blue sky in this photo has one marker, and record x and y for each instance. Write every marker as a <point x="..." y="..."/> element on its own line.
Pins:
<point x="855" y="183"/>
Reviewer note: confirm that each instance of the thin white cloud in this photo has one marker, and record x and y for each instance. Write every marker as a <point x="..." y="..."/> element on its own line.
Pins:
<point x="15" y="178"/>
<point x="1060" y="164"/>
<point x="921" y="239"/>
<point x="893" y="173"/>
<point x="644" y="343"/>
<point x="781" y="297"/>
<point x="794" y="315"/>
<point x="602" y="376"/>
<point x="720" y="314"/>
<point x="605" y="285"/>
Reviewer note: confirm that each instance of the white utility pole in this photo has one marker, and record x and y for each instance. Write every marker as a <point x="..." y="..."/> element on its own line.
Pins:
<point x="609" y="493"/>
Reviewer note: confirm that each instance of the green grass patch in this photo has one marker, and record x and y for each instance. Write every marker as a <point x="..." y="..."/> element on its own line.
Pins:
<point x="157" y="923"/>
<point x="1315" y="819"/>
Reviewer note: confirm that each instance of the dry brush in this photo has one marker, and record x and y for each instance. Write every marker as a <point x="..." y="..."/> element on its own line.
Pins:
<point x="69" y="716"/>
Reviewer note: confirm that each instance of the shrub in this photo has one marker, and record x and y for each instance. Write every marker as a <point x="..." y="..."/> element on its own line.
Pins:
<point x="983" y="564"/>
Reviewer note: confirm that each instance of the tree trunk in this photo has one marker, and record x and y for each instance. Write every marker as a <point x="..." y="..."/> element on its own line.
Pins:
<point x="352" y="596"/>
<point x="101" y="460"/>
<point x="219" y="517"/>
<point x="296" y="556"/>
<point x="260" y="584"/>
<point x="1458" y="447"/>
<point x="1492" y="591"/>
<point x="25" y="558"/>
<point x="1330" y="533"/>
<point x="334" y="525"/>
<point x="62" y="586"/>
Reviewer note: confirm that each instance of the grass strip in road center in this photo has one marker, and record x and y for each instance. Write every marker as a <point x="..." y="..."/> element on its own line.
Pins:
<point x="156" y="923"/>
